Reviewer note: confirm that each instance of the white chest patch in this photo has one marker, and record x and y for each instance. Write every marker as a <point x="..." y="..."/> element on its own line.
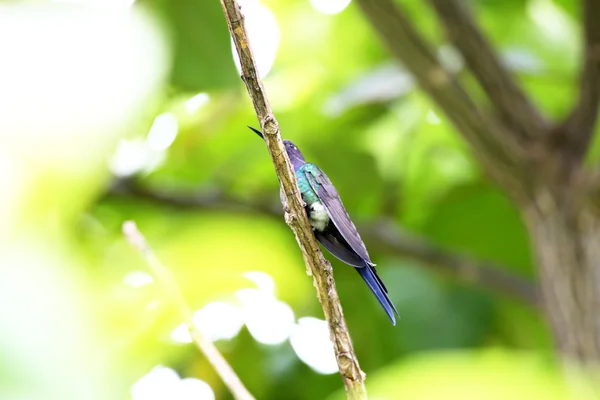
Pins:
<point x="318" y="216"/>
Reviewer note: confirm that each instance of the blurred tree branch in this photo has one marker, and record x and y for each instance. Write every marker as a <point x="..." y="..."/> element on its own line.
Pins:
<point x="383" y="233"/>
<point x="513" y="106"/>
<point x="468" y="269"/>
<point x="172" y="292"/>
<point x="580" y="123"/>
<point x="498" y="149"/>
<point x="295" y="216"/>
<point x="540" y="173"/>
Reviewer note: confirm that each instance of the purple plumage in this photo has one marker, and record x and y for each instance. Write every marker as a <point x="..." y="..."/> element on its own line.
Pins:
<point x="332" y="225"/>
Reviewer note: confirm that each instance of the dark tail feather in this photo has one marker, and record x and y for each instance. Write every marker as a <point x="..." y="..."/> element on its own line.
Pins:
<point x="370" y="277"/>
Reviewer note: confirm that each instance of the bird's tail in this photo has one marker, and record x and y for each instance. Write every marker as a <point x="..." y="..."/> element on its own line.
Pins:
<point x="370" y="276"/>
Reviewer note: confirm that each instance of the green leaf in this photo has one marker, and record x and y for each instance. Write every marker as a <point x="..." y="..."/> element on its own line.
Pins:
<point x="485" y="374"/>
<point x="479" y="220"/>
<point x="203" y="59"/>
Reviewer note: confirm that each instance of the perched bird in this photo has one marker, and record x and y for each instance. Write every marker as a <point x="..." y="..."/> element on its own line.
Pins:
<point x="331" y="224"/>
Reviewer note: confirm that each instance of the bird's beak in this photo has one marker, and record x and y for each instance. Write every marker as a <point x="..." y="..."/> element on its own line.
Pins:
<point x="259" y="133"/>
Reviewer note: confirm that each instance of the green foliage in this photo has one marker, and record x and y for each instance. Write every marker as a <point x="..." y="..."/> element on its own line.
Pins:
<point x="201" y="44"/>
<point x="489" y="374"/>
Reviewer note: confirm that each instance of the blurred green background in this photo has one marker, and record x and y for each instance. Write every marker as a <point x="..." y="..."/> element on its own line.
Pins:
<point x="110" y="112"/>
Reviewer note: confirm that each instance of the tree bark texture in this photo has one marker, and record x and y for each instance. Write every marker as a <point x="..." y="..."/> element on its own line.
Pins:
<point x="295" y="216"/>
<point x="566" y="238"/>
<point x="538" y="164"/>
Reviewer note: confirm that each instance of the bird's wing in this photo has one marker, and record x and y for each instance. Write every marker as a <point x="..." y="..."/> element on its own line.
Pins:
<point x="336" y="245"/>
<point x="330" y="199"/>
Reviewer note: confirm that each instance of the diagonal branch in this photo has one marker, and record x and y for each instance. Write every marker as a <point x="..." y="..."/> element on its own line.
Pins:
<point x="468" y="269"/>
<point x="295" y="216"/>
<point x="515" y="110"/>
<point x="582" y="120"/>
<point x="384" y="233"/>
<point x="174" y="295"/>
<point x="496" y="148"/>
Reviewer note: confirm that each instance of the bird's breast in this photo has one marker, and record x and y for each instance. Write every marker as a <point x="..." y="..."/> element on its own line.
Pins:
<point x="317" y="215"/>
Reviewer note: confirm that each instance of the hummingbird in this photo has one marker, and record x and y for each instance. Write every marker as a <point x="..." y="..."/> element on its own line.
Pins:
<point x="332" y="225"/>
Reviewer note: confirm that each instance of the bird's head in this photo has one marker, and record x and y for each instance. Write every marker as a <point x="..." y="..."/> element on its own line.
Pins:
<point x="292" y="151"/>
<point x="294" y="154"/>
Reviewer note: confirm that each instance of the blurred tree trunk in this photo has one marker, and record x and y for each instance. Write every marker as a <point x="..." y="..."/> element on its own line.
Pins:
<point x="566" y="237"/>
<point x="537" y="163"/>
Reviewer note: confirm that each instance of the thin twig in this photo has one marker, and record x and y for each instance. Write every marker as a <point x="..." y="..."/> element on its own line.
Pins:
<point x="466" y="268"/>
<point x="514" y="108"/>
<point x="295" y="216"/>
<point x="383" y="233"/>
<point x="171" y="290"/>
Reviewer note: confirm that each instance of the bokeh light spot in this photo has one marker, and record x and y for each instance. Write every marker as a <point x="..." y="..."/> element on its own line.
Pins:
<point x="163" y="132"/>
<point x="330" y="6"/>
<point x="195" y="103"/>
<point x="138" y="279"/>
<point x="192" y="388"/>
<point x="109" y="5"/>
<point x="268" y="320"/>
<point x="156" y="384"/>
<point x="310" y="340"/>
<point x="263" y="32"/>
<point x="432" y="118"/>
<point x="133" y="156"/>
<point x="550" y="18"/>
<point x="216" y="320"/>
<point x="264" y="281"/>
<point x="164" y="383"/>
